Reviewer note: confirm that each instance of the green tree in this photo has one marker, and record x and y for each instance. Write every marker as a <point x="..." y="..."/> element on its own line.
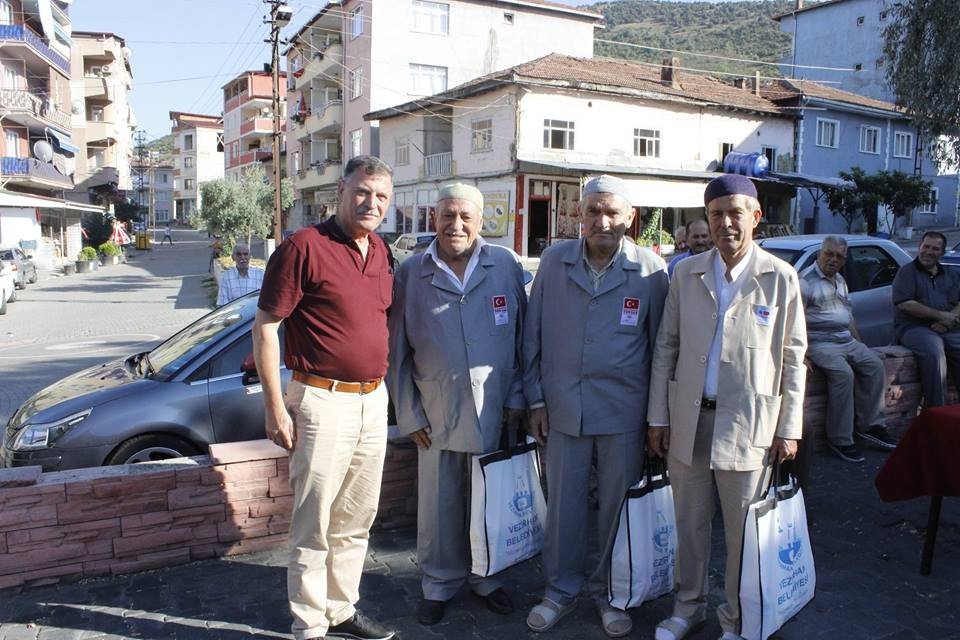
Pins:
<point x="900" y="192"/>
<point x="903" y="192"/>
<point x="240" y="210"/>
<point x="922" y="49"/>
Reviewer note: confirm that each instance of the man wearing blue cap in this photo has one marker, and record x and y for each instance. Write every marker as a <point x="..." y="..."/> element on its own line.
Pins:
<point x="591" y="325"/>
<point x="726" y="396"/>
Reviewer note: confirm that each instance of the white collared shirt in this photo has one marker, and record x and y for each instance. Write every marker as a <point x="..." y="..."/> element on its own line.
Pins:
<point x="471" y="263"/>
<point x="233" y="285"/>
<point x="725" y="293"/>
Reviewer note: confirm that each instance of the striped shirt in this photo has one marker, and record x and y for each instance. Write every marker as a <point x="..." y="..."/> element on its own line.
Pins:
<point x="826" y="304"/>
<point x="232" y="286"/>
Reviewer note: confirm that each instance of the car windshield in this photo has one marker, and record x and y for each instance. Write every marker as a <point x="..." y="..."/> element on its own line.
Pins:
<point x="169" y="357"/>
<point x="787" y="255"/>
<point x="6" y="254"/>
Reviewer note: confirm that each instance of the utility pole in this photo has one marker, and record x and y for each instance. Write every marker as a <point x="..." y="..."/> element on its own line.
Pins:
<point x="280" y="16"/>
<point x="140" y="138"/>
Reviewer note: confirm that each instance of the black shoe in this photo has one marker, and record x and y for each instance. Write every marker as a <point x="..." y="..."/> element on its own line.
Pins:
<point x="848" y="452"/>
<point x="430" y="612"/>
<point x="359" y="628"/>
<point x="498" y="601"/>
<point x="879" y="436"/>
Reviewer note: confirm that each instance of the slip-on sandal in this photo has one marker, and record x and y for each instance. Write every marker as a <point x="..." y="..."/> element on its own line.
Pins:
<point x="548" y="613"/>
<point x="676" y="628"/>
<point x="616" y="623"/>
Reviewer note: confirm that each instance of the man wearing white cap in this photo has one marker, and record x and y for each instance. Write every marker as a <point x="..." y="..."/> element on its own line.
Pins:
<point x="588" y="342"/>
<point x="455" y="380"/>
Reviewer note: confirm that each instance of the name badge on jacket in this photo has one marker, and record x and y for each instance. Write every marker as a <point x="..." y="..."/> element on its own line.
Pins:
<point x="500" y="316"/>
<point x="630" y="314"/>
<point x="763" y="315"/>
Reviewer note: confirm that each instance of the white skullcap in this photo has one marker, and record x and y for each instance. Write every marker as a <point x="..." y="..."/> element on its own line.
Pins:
<point x="462" y="191"/>
<point x="608" y="184"/>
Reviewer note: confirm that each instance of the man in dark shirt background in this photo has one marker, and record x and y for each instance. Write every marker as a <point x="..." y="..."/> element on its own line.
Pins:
<point x="927" y="318"/>
<point x="330" y="285"/>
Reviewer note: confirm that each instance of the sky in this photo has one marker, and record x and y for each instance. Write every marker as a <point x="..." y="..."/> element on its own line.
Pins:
<point x="183" y="51"/>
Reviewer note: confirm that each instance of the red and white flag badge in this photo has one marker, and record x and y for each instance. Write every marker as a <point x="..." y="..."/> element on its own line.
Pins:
<point x="630" y="314"/>
<point x="500" y="314"/>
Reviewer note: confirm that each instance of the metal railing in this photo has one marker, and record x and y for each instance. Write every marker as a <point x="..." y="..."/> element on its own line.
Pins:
<point x="20" y="32"/>
<point x="438" y="164"/>
<point x="25" y="101"/>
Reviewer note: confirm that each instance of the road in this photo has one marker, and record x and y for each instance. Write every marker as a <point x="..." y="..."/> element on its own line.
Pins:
<point x="65" y="323"/>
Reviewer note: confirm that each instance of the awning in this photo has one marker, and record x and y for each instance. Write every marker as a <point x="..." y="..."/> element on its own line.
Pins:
<point x="10" y="199"/>
<point x="63" y="141"/>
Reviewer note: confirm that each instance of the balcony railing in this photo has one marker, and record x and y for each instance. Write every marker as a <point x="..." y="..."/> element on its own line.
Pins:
<point x="25" y="34"/>
<point x="20" y="100"/>
<point x="32" y="168"/>
<point x="438" y="164"/>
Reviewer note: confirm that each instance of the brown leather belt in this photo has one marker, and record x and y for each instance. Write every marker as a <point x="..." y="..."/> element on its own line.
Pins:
<point x="336" y="385"/>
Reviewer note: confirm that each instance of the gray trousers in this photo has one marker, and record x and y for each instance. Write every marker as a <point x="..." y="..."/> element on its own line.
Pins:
<point x="443" y="525"/>
<point x="935" y="352"/>
<point x="693" y="499"/>
<point x="854" y="371"/>
<point x="566" y="560"/>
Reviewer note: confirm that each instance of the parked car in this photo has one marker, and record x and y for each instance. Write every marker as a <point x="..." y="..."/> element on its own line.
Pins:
<point x="952" y="257"/>
<point x="871" y="266"/>
<point x="388" y="236"/>
<point x="8" y="287"/>
<point x="174" y="400"/>
<point x="25" y="271"/>
<point x="410" y="244"/>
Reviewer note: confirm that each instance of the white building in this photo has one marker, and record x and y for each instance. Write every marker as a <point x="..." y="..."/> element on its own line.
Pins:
<point x="528" y="136"/>
<point x="358" y="56"/>
<point x="198" y="158"/>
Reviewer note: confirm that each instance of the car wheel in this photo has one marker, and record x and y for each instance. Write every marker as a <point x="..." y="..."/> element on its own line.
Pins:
<point x="34" y="277"/>
<point x="150" y="448"/>
<point x="20" y="284"/>
<point x="13" y="295"/>
<point x="3" y="304"/>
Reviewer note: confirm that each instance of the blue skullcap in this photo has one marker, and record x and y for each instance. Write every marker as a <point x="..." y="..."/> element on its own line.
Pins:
<point x="729" y="184"/>
<point x="608" y="184"/>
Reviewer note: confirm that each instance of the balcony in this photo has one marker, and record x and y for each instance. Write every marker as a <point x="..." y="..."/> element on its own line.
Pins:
<point x="32" y="171"/>
<point x="98" y="87"/>
<point x="21" y="33"/>
<point x="256" y="126"/>
<point x="438" y="165"/>
<point x="101" y="130"/>
<point x="323" y="64"/>
<point x="25" y="104"/>
<point x="319" y="174"/>
<point x="327" y="119"/>
<point x="248" y="157"/>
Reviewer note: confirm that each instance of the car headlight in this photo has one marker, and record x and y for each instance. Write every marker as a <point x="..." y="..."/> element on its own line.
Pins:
<point x="41" y="436"/>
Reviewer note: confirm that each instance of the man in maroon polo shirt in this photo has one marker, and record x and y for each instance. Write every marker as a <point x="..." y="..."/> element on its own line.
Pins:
<point x="330" y="285"/>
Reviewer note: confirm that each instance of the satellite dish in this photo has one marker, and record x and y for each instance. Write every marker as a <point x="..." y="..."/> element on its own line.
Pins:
<point x="42" y="151"/>
<point x="76" y="108"/>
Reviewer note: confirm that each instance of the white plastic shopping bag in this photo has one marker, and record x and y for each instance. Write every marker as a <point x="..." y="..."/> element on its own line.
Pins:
<point x="777" y="574"/>
<point x="645" y="546"/>
<point x="507" y="508"/>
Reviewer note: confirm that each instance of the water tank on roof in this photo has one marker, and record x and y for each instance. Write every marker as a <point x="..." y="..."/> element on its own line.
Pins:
<point x="753" y="165"/>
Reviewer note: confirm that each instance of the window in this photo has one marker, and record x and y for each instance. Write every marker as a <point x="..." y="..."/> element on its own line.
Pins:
<point x="13" y="145"/>
<point x="481" y="135"/>
<point x="725" y="149"/>
<point x="356" y="83"/>
<point x="868" y="268"/>
<point x="431" y="17"/>
<point x="97" y="159"/>
<point x="356" y="143"/>
<point x="828" y="133"/>
<point x="96" y="113"/>
<point x="219" y="143"/>
<point x="879" y="63"/>
<point x="902" y="144"/>
<point x="557" y="134"/>
<point x="931" y="207"/>
<point x="427" y="80"/>
<point x="860" y="20"/>
<point x="296" y="161"/>
<point x="188" y="183"/>
<point x="858" y="67"/>
<point x="401" y="154"/>
<point x="869" y="139"/>
<point x="770" y="153"/>
<point x="188" y="142"/>
<point x="9" y="75"/>
<point x="6" y="12"/>
<point x="646" y="143"/>
<point x="355" y="21"/>
<point x="188" y="162"/>
<point x="164" y="178"/>
<point x="884" y="15"/>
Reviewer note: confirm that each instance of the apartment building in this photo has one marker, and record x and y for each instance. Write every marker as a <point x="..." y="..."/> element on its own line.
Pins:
<point x="198" y="152"/>
<point x="103" y="119"/>
<point x="529" y="136"/>
<point x="39" y="155"/>
<point x="357" y="56"/>
<point x="153" y="190"/>
<point x="248" y="121"/>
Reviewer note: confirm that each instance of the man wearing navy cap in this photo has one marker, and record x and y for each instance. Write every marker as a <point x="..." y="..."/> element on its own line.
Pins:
<point x="726" y="394"/>
<point x="587" y="344"/>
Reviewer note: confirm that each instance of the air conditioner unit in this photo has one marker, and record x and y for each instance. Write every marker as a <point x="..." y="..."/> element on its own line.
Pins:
<point x="106" y="70"/>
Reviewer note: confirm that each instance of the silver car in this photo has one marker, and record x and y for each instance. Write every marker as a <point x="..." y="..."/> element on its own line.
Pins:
<point x="25" y="271"/>
<point x="871" y="266"/>
<point x="196" y="388"/>
<point x="410" y="244"/>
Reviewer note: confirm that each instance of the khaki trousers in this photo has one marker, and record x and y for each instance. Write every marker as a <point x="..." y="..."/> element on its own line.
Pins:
<point x="693" y="499"/>
<point x="335" y="471"/>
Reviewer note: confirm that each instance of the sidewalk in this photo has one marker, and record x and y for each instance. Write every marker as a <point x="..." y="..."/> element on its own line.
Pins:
<point x="867" y="556"/>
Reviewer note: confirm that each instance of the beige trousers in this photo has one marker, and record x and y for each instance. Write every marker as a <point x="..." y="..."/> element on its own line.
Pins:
<point x="693" y="491"/>
<point x="335" y="470"/>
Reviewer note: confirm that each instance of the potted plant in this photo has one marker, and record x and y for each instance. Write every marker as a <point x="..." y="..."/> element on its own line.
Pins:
<point x="110" y="253"/>
<point x="87" y="260"/>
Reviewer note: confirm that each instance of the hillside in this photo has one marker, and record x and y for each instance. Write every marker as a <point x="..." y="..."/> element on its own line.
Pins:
<point x="730" y="29"/>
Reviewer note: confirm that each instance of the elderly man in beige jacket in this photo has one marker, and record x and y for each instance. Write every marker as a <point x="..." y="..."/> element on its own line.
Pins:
<point x="726" y="392"/>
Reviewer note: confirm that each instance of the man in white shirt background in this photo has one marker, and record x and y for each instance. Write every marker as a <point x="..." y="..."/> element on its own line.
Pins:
<point x="241" y="279"/>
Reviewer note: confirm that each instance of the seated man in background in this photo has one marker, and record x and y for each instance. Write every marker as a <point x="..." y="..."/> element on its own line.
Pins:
<point x="241" y="279"/>
<point x="852" y="369"/>
<point x="927" y="317"/>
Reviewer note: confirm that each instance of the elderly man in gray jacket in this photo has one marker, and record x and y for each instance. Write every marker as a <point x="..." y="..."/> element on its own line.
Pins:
<point x="455" y="380"/>
<point x="588" y="342"/>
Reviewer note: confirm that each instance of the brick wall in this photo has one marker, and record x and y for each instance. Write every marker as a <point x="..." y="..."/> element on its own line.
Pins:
<point x="112" y="520"/>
